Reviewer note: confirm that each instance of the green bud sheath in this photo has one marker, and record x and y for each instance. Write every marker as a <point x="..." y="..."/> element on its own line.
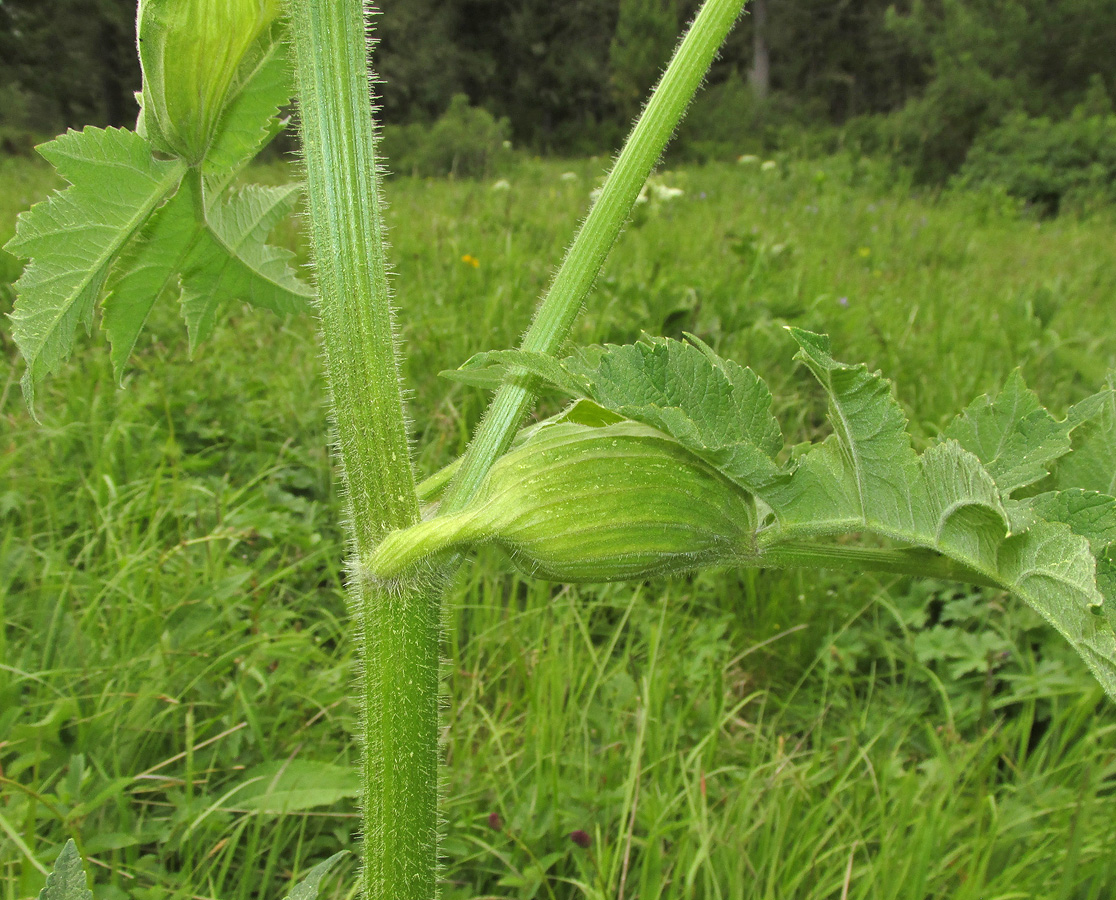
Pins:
<point x="191" y="52"/>
<point x="578" y="503"/>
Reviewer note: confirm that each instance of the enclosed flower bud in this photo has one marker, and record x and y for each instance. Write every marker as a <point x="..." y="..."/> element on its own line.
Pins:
<point x="584" y="504"/>
<point x="191" y="52"/>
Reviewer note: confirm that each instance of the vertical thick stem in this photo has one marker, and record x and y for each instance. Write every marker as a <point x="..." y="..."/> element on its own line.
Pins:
<point x="397" y="627"/>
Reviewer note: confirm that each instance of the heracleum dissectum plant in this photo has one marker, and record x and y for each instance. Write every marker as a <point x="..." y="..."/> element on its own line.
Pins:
<point x="668" y="458"/>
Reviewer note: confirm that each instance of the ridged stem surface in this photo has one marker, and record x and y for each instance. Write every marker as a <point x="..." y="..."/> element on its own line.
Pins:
<point x="397" y="627"/>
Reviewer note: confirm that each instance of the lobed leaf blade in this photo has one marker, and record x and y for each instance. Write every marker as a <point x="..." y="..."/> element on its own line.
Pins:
<point x="1013" y="435"/>
<point x="74" y="237"/>
<point x="232" y="262"/>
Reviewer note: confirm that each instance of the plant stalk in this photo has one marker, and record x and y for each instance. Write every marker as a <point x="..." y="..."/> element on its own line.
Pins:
<point x="555" y="316"/>
<point x="913" y="561"/>
<point x="397" y="623"/>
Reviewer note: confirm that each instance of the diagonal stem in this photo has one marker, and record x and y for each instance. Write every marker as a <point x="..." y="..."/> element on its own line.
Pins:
<point x="594" y="240"/>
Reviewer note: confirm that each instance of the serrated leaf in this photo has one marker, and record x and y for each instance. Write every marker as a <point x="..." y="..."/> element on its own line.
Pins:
<point x="717" y="409"/>
<point x="307" y="889"/>
<point x="250" y="121"/>
<point x="209" y="259"/>
<point x="67" y="879"/>
<point x="234" y="263"/>
<point x="865" y="472"/>
<point x="148" y="270"/>
<point x="1053" y="570"/>
<point x="1013" y="435"/>
<point x="73" y="238"/>
<point x="1092" y="464"/>
<point x="1087" y="513"/>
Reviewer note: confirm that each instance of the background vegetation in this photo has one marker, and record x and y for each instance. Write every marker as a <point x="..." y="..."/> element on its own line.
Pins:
<point x="176" y="657"/>
<point x="920" y="80"/>
<point x="175" y="652"/>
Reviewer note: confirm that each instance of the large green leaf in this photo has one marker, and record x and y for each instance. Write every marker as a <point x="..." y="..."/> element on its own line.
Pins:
<point x="1013" y="435"/>
<point x="944" y="501"/>
<point x="74" y="237"/>
<point x="943" y="512"/>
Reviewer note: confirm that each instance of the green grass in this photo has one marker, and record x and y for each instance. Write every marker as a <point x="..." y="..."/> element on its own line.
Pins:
<point x="175" y="653"/>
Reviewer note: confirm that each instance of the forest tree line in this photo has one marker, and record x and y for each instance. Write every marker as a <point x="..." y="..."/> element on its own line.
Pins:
<point x="921" y="78"/>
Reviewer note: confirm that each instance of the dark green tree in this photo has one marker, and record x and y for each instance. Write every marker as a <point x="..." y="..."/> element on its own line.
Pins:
<point x="70" y="61"/>
<point x="645" y="34"/>
<point x="417" y="58"/>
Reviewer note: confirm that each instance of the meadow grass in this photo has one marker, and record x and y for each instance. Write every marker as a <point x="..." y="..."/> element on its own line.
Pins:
<point x="175" y="653"/>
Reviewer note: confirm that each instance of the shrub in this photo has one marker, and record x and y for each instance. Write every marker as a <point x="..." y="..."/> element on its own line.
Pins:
<point x="1047" y="163"/>
<point x="933" y="133"/>
<point x="727" y="120"/>
<point x="466" y="141"/>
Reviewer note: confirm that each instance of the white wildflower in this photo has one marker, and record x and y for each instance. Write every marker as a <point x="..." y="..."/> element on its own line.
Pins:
<point x="664" y="193"/>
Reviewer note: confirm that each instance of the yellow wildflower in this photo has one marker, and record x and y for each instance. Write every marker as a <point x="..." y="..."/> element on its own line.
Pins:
<point x="471" y="260"/>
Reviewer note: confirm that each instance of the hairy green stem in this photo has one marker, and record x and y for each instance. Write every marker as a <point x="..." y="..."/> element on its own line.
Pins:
<point x="598" y="233"/>
<point x="397" y="627"/>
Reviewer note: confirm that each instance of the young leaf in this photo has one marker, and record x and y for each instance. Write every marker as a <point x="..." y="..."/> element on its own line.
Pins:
<point x="231" y="261"/>
<point x="74" y="237"/>
<point x="250" y="118"/>
<point x="67" y="879"/>
<point x="148" y="270"/>
<point x="718" y="410"/>
<point x="307" y="889"/>
<point x="863" y="475"/>
<point x="1013" y="435"/>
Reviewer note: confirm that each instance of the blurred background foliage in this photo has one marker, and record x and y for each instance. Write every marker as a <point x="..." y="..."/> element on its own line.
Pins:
<point x="920" y="81"/>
